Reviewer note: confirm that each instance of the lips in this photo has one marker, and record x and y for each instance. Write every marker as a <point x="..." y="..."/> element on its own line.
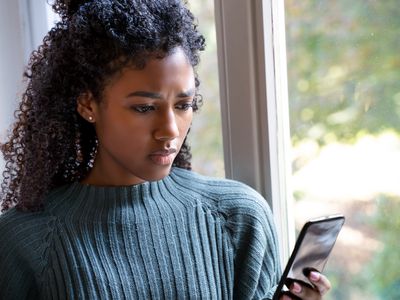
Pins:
<point x="163" y="157"/>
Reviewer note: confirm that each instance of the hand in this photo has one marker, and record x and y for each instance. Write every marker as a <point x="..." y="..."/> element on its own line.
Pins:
<point x="321" y="283"/>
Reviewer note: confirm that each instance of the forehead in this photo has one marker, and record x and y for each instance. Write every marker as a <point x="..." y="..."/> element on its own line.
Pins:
<point x="169" y="71"/>
<point x="176" y="61"/>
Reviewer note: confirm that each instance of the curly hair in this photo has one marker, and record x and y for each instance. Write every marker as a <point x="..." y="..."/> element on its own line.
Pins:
<point x="50" y="144"/>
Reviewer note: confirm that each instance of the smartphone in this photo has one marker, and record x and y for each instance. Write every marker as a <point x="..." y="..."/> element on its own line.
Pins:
<point x="311" y="251"/>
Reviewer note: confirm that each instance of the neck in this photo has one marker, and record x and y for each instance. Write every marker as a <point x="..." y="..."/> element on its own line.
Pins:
<point x="105" y="175"/>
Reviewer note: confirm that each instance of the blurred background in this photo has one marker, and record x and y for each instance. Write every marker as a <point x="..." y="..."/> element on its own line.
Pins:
<point x="207" y="149"/>
<point x="344" y="97"/>
<point x="344" y="100"/>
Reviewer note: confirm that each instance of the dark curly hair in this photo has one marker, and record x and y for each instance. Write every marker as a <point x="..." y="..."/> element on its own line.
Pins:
<point x="51" y="144"/>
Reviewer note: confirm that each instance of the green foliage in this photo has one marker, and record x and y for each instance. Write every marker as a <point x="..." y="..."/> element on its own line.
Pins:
<point x="384" y="269"/>
<point x="344" y="82"/>
<point x="343" y="67"/>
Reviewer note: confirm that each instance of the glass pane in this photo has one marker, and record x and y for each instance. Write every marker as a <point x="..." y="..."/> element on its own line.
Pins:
<point x="344" y="97"/>
<point x="206" y="132"/>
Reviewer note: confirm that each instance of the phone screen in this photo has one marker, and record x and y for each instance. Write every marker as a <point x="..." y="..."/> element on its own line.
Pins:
<point x="312" y="249"/>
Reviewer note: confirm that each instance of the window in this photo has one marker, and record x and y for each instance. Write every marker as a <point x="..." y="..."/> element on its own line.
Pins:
<point x="252" y="64"/>
<point x="206" y="135"/>
<point x="343" y="103"/>
<point x="344" y="96"/>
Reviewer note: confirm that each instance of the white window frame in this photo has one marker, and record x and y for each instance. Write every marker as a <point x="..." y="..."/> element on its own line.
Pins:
<point x="254" y="103"/>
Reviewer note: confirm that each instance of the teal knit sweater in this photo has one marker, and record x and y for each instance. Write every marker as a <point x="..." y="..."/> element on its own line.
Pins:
<point x="184" y="237"/>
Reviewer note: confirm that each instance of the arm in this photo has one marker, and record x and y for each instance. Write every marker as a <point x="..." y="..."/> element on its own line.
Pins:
<point x="257" y="267"/>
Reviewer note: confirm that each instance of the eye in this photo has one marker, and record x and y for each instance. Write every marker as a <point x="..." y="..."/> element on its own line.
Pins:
<point x="143" y="108"/>
<point x="184" y="106"/>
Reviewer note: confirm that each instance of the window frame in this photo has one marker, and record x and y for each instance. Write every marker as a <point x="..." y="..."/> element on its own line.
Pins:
<point x="256" y="133"/>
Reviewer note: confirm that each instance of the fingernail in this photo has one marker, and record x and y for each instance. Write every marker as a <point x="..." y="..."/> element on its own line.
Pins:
<point x="314" y="276"/>
<point x="296" y="288"/>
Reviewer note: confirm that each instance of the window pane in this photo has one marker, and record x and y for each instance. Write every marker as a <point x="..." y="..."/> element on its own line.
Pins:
<point x="206" y="133"/>
<point x="344" y="97"/>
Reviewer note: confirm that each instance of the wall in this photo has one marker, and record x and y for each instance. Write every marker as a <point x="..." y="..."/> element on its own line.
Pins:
<point x="23" y="24"/>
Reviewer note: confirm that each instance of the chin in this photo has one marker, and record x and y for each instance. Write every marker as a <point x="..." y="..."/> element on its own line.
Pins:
<point x="159" y="175"/>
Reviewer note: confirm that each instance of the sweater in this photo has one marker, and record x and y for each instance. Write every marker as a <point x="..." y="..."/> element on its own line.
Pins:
<point x="186" y="236"/>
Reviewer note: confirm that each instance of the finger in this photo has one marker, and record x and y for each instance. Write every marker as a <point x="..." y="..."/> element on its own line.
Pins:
<point x="304" y="292"/>
<point x="285" y="297"/>
<point x="322" y="284"/>
<point x="288" y="296"/>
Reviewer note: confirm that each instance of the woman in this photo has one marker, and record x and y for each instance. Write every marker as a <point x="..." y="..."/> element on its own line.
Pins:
<point x="98" y="169"/>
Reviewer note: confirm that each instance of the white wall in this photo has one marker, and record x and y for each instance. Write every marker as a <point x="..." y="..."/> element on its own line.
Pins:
<point x="11" y="62"/>
<point x="23" y="24"/>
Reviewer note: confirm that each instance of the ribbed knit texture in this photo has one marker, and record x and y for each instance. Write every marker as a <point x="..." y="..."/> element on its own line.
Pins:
<point x="184" y="237"/>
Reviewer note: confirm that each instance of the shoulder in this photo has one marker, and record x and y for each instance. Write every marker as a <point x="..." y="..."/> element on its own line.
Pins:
<point x="18" y="228"/>
<point x="15" y="222"/>
<point x="213" y="185"/>
<point x="248" y="217"/>
<point x="231" y="193"/>
<point x="232" y="198"/>
<point x="22" y="247"/>
<point x="23" y="233"/>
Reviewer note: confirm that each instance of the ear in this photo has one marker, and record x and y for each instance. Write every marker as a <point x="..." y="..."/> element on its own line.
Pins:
<point x="87" y="107"/>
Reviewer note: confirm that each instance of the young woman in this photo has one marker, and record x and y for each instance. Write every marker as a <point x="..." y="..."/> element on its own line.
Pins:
<point x="98" y="198"/>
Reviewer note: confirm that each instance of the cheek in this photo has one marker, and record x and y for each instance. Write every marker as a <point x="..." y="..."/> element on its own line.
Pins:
<point x="122" y="132"/>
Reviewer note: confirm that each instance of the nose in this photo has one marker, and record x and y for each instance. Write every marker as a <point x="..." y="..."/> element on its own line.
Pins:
<point x="167" y="128"/>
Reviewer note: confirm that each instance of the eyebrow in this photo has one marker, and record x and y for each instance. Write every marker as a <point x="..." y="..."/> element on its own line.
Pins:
<point x="153" y="95"/>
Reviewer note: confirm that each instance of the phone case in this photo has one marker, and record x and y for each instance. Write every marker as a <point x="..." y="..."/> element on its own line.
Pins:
<point x="311" y="251"/>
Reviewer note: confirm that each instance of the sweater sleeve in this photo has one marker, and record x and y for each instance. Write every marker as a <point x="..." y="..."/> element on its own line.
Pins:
<point x="256" y="263"/>
<point x="18" y="256"/>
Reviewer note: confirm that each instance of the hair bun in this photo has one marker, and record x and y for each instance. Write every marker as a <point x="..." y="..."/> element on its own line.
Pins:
<point x="66" y="8"/>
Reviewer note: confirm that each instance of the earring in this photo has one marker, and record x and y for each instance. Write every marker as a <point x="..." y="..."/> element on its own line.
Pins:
<point x="90" y="119"/>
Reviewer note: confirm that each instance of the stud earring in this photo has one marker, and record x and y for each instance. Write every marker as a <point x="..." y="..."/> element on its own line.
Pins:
<point x="90" y="119"/>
